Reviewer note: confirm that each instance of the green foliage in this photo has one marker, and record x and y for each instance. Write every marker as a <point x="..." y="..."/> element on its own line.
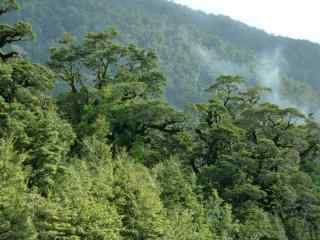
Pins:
<point x="25" y="82"/>
<point x="19" y="32"/>
<point x="255" y="162"/>
<point x="125" y="92"/>
<point x="10" y="34"/>
<point x="137" y="199"/>
<point x="43" y="135"/>
<point x="109" y="159"/>
<point x="15" y="209"/>
<point x="79" y="208"/>
<point x="192" y="47"/>
<point x="65" y="61"/>
<point x="8" y="5"/>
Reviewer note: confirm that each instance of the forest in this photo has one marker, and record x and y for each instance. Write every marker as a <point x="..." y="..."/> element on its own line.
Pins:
<point x="98" y="143"/>
<point x="205" y="46"/>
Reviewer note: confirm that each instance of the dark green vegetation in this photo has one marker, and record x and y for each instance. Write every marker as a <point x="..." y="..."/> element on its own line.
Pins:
<point x="193" y="48"/>
<point x="109" y="159"/>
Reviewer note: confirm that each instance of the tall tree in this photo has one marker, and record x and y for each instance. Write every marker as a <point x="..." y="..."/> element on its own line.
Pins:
<point x="27" y="112"/>
<point x="123" y="86"/>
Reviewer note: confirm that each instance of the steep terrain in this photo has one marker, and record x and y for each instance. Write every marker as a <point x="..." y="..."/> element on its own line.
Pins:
<point x="108" y="158"/>
<point x="200" y="46"/>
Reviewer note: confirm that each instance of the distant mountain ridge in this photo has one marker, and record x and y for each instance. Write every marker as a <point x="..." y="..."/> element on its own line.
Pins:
<point x="193" y="47"/>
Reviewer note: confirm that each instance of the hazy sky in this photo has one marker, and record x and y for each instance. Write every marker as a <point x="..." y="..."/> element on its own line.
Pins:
<point x="292" y="18"/>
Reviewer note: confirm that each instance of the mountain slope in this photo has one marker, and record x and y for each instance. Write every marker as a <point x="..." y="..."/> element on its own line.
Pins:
<point x="109" y="159"/>
<point x="194" y="48"/>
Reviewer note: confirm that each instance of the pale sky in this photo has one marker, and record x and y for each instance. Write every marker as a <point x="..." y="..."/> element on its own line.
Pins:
<point x="291" y="18"/>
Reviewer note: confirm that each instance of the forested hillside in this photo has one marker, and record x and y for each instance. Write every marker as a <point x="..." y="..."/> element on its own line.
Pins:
<point x="193" y="48"/>
<point x="108" y="158"/>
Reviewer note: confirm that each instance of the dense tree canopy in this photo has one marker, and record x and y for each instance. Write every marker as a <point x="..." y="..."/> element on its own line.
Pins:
<point x="193" y="48"/>
<point x="110" y="159"/>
